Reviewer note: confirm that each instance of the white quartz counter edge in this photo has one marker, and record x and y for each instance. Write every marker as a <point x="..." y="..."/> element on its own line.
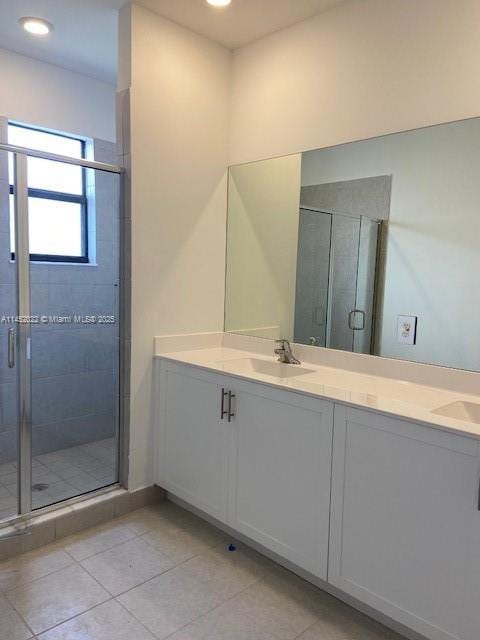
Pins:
<point x="406" y="400"/>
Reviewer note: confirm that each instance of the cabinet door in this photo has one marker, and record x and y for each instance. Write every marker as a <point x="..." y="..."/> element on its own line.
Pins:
<point x="192" y="445"/>
<point x="281" y="473"/>
<point x="405" y="526"/>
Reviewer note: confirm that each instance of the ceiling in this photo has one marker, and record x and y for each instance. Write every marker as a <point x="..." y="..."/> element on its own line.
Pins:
<point x="240" y="23"/>
<point x="85" y="34"/>
<point x="84" y="38"/>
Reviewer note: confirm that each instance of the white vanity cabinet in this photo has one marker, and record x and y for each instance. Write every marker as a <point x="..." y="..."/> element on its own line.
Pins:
<point x="266" y="472"/>
<point x="192" y="442"/>
<point x="405" y="528"/>
<point x="281" y="473"/>
<point x="384" y="509"/>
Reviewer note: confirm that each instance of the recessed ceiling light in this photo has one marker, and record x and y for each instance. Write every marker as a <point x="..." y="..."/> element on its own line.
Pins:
<point x="219" y="3"/>
<point x="37" y="26"/>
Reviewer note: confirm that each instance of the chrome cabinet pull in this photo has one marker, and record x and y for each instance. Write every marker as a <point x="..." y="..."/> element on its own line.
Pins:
<point x="478" y="505"/>
<point x="11" y="348"/>
<point x="231" y="414"/>
<point x="223" y="412"/>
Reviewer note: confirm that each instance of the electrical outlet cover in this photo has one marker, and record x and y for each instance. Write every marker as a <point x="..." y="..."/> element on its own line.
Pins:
<point x="407" y="329"/>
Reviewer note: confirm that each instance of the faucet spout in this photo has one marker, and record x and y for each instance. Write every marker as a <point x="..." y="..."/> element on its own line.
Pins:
<point x="284" y="352"/>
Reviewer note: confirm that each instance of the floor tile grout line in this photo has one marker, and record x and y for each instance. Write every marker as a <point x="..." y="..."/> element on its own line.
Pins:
<point x="256" y="582"/>
<point x="109" y="548"/>
<point x="179" y="565"/>
<point x="221" y="604"/>
<point x="96" y="580"/>
<point x="264" y="575"/>
<point x="130" y="589"/>
<point x="107" y="591"/>
<point x="137" y="536"/>
<point x="75" y="562"/>
<point x="20" y="615"/>
<point x="69" y="555"/>
<point x="73" y="617"/>
<point x="49" y="573"/>
<point x="62" y="544"/>
<point x="135" y="618"/>
<point x="188" y="623"/>
<point x="305" y="631"/>
<point x="33" y="580"/>
<point x="115" y="597"/>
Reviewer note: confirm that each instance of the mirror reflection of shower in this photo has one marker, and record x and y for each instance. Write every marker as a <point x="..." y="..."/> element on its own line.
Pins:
<point x="336" y="280"/>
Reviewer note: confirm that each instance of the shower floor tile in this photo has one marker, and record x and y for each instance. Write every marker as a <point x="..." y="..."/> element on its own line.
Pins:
<point x="61" y="474"/>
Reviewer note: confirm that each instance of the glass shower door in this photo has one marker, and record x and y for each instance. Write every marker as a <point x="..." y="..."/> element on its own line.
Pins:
<point x="313" y="269"/>
<point x="342" y="316"/>
<point x="335" y="285"/>
<point x="60" y="333"/>
<point x="75" y="340"/>
<point x="352" y="283"/>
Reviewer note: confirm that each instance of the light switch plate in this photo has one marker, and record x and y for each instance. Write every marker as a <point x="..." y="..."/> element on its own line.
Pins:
<point x="407" y="330"/>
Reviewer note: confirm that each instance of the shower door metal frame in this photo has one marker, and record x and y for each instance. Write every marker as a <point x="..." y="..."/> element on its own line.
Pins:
<point x="379" y="223"/>
<point x="22" y="333"/>
<point x="23" y="341"/>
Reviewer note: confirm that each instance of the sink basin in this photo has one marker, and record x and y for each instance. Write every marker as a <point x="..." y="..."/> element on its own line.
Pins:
<point x="267" y="367"/>
<point x="468" y="411"/>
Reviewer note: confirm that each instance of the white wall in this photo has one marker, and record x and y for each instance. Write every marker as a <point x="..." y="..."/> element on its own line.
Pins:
<point x="42" y="94"/>
<point x="262" y="239"/>
<point x="179" y="101"/>
<point x="364" y="68"/>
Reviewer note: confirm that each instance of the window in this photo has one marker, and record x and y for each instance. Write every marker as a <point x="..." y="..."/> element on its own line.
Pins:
<point x="57" y="198"/>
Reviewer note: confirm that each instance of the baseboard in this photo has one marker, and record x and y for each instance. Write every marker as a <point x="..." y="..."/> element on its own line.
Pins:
<point x="26" y="533"/>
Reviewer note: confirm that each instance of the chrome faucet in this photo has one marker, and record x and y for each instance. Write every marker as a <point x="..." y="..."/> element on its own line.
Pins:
<point x="284" y="352"/>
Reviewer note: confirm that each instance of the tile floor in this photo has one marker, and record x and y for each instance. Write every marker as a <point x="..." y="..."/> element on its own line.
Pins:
<point x="159" y="573"/>
<point x="67" y="473"/>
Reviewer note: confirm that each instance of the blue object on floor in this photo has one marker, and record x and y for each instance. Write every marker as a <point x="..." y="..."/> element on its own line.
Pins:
<point x="232" y="547"/>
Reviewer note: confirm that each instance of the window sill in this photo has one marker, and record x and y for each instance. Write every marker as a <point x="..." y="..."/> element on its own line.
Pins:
<point x="61" y="264"/>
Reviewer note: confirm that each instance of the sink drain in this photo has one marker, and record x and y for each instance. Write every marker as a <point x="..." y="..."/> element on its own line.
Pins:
<point x="40" y="486"/>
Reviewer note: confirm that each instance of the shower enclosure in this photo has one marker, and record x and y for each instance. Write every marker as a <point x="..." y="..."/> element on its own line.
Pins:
<point x="336" y="276"/>
<point x="59" y="327"/>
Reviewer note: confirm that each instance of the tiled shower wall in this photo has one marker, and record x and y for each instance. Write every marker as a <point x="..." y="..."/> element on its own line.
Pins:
<point x="74" y="366"/>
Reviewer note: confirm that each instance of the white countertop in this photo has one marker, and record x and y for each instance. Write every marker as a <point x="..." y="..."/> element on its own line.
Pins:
<point x="400" y="398"/>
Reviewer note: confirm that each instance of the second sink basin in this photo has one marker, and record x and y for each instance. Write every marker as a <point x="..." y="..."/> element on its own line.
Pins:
<point x="468" y="411"/>
<point x="266" y="367"/>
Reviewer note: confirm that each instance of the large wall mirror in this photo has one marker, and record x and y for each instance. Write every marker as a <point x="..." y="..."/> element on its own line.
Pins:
<point x="371" y="247"/>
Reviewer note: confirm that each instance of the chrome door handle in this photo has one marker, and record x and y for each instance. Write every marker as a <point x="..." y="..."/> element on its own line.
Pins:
<point x="351" y="323"/>
<point x="231" y="414"/>
<point x="223" y="413"/>
<point x="11" y="348"/>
